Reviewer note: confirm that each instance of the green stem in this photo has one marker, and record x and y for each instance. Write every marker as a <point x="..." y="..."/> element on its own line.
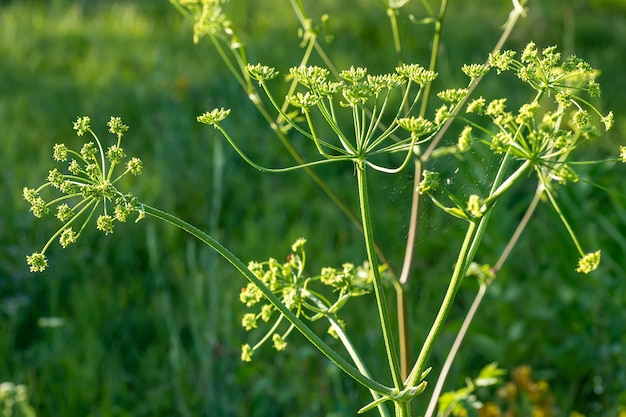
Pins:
<point x="347" y="344"/>
<point x="446" y="305"/>
<point x="299" y="324"/>
<point x="395" y="32"/>
<point x="478" y="300"/>
<point x="434" y="54"/>
<point x="392" y="354"/>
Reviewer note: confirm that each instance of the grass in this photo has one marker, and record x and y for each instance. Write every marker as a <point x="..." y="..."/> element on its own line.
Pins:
<point x="151" y="322"/>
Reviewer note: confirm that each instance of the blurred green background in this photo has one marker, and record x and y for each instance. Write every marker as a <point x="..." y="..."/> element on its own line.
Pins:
<point x="147" y="322"/>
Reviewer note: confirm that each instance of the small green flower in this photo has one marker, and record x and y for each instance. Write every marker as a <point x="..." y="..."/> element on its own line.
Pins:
<point x="134" y="166"/>
<point x="39" y="208"/>
<point x="67" y="237"/>
<point x="89" y="151"/>
<point x="442" y="113"/>
<point x="500" y="142"/>
<point x="310" y="77"/>
<point x="246" y="353"/>
<point x="89" y="180"/>
<point x="261" y="73"/>
<point x="581" y="118"/>
<point x="416" y="73"/>
<point x="353" y="75"/>
<point x="501" y="60"/>
<point x="298" y="245"/>
<point x="385" y="81"/>
<point x="357" y="93"/>
<point x="74" y="167"/>
<point x="484" y="272"/>
<point x="453" y="95"/>
<point x="115" y="154"/>
<point x="116" y="126"/>
<point x="214" y="116"/>
<point x="303" y="100"/>
<point x="476" y="106"/>
<point x="474" y="71"/>
<point x="589" y="262"/>
<point x="81" y="125"/>
<point x="526" y="113"/>
<point x="474" y="206"/>
<point x="564" y="174"/>
<point x="465" y="139"/>
<point x="530" y="53"/>
<point x="430" y="182"/>
<point x="105" y="223"/>
<point x="250" y="295"/>
<point x="417" y="125"/>
<point x="59" y="152"/>
<point x="279" y="342"/>
<point x="328" y="88"/>
<point x="64" y="212"/>
<point x="248" y="321"/>
<point x="266" y="312"/>
<point x="290" y="297"/>
<point x="37" y="262"/>
<point x="594" y="88"/>
<point x="496" y="107"/>
<point x="56" y="178"/>
<point x="124" y="206"/>
<point x="30" y="194"/>
<point x="608" y="121"/>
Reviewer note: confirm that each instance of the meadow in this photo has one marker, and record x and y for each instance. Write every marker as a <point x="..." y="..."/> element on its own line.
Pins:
<point x="148" y="322"/>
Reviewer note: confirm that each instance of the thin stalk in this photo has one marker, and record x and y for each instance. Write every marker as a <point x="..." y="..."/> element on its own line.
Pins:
<point x="347" y="344"/>
<point x="434" y="53"/>
<point x="296" y="321"/>
<point x="383" y="313"/>
<point x="391" y="12"/>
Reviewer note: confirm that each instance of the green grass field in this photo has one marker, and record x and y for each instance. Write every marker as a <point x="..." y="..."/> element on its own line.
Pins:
<point x="149" y="320"/>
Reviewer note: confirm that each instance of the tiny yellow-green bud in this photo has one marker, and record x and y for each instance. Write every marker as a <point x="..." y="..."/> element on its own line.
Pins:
<point x="67" y="237"/>
<point x="81" y="125"/>
<point x="59" y="152"/>
<point x="248" y="321"/>
<point x="214" y="116"/>
<point x="246" y="353"/>
<point x="298" y="245"/>
<point x="37" y="262"/>
<point x="116" y="126"/>
<point x="279" y="342"/>
<point x="105" y="223"/>
<point x="64" y="212"/>
<point x="430" y="182"/>
<point x="589" y="262"/>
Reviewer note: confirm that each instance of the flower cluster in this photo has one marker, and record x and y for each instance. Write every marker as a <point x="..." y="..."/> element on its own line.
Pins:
<point x="88" y="183"/>
<point x="299" y="293"/>
<point x="368" y="97"/>
<point x="539" y="136"/>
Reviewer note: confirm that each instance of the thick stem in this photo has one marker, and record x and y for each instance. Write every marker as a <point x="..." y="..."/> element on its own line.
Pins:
<point x="392" y="353"/>
<point x="289" y="315"/>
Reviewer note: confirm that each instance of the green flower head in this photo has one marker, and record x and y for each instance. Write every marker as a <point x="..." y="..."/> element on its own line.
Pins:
<point x="214" y="116"/>
<point x="589" y="262"/>
<point x="87" y="182"/>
